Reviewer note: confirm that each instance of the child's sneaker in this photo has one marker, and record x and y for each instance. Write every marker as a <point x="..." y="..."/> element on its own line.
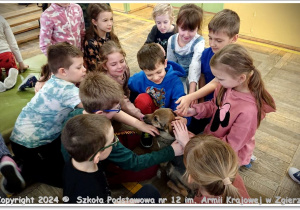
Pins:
<point x="12" y="181"/>
<point x="28" y="82"/>
<point x="146" y="140"/>
<point x="295" y="174"/>
<point x="2" y="87"/>
<point x="11" y="80"/>
<point x="253" y="158"/>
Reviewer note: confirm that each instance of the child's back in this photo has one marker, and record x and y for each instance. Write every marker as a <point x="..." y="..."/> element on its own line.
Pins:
<point x="60" y="23"/>
<point x="88" y="139"/>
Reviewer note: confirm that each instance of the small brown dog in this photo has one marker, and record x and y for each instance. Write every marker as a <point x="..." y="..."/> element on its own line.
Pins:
<point x="161" y="119"/>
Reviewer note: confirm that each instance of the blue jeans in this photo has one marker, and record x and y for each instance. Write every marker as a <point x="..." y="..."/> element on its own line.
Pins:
<point x="4" y="151"/>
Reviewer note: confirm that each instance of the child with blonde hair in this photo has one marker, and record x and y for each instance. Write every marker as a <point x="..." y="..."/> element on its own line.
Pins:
<point x="212" y="165"/>
<point x="113" y="63"/>
<point x="187" y="45"/>
<point x="163" y="16"/>
<point x="35" y="138"/>
<point x="240" y="101"/>
<point x="99" y="32"/>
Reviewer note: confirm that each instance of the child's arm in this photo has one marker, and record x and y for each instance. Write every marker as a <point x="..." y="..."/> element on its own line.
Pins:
<point x="46" y="32"/>
<point x="152" y="35"/>
<point x="177" y="92"/>
<point x="170" y="52"/>
<point x="11" y="40"/>
<point x="185" y="101"/>
<point x="128" y="160"/>
<point x="195" y="66"/>
<point x="130" y="109"/>
<point x="129" y="120"/>
<point x="201" y="84"/>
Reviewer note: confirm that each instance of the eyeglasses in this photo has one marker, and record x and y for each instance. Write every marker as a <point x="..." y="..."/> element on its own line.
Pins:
<point x="113" y="110"/>
<point x="118" y="109"/>
<point x="114" y="143"/>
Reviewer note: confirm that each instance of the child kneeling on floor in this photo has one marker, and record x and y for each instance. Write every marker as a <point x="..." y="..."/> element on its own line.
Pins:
<point x="35" y="139"/>
<point x="83" y="173"/>
<point x="158" y="84"/>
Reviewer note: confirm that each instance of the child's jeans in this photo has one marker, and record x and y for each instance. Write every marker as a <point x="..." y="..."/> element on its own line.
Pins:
<point x="42" y="164"/>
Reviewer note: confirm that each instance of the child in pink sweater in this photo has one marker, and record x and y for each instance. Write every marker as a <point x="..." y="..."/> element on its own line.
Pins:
<point x="240" y="101"/>
<point x="62" y="22"/>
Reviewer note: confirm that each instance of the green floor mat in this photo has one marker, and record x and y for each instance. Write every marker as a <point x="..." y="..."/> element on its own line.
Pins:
<point x="12" y="101"/>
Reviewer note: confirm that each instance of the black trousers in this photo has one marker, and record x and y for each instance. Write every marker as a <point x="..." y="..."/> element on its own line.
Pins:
<point x="42" y="164"/>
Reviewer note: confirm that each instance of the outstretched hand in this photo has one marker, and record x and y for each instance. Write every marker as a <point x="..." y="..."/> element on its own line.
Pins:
<point x="178" y="149"/>
<point x="181" y="132"/>
<point x="184" y="103"/>
<point x="148" y="128"/>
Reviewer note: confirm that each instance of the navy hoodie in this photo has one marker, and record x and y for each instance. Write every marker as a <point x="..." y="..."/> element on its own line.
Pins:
<point x="165" y="93"/>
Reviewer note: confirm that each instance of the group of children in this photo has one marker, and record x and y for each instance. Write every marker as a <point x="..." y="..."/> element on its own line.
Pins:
<point x="171" y="64"/>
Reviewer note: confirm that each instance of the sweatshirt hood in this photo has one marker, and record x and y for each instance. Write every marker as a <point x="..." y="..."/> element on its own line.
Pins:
<point x="175" y="69"/>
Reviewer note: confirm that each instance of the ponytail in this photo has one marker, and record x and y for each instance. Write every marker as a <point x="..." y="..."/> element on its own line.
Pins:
<point x="257" y="88"/>
<point x="230" y="191"/>
<point x="215" y="177"/>
<point x="237" y="61"/>
<point x="45" y="73"/>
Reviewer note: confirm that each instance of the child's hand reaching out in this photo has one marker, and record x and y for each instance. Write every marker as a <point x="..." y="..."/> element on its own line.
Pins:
<point x="181" y="132"/>
<point x="184" y="103"/>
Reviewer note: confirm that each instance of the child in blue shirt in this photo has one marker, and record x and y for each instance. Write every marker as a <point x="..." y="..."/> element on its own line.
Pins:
<point x="158" y="85"/>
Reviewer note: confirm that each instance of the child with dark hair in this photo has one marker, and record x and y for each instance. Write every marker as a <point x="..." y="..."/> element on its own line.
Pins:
<point x="99" y="32"/>
<point x="158" y="84"/>
<point x="187" y="45"/>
